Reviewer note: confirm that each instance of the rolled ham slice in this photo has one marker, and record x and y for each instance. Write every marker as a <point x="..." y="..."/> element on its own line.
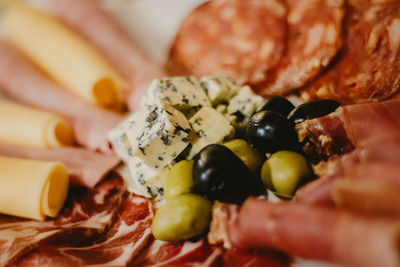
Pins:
<point x="21" y="81"/>
<point x="317" y="233"/>
<point x="88" y="18"/>
<point x="85" y="168"/>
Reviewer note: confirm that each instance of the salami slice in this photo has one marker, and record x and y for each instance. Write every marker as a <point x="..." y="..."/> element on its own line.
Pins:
<point x="240" y="38"/>
<point x="368" y="68"/>
<point x="314" y="38"/>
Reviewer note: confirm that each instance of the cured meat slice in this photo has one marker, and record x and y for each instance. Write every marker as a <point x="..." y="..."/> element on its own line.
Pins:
<point x="123" y="241"/>
<point x="103" y="31"/>
<point x="242" y="39"/>
<point x="368" y="67"/>
<point x="86" y="214"/>
<point x="85" y="168"/>
<point x="21" y="81"/>
<point x="317" y="233"/>
<point x="314" y="38"/>
<point x="162" y="253"/>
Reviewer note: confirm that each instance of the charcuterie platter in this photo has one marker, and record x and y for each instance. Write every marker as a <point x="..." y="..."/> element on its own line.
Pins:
<point x="203" y="133"/>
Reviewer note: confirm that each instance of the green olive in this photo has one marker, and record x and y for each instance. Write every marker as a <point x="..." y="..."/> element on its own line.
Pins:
<point x="179" y="179"/>
<point x="283" y="172"/>
<point x="251" y="158"/>
<point x="182" y="217"/>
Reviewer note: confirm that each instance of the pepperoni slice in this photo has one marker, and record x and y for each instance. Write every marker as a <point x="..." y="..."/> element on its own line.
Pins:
<point x="368" y="68"/>
<point x="314" y="39"/>
<point x="240" y="38"/>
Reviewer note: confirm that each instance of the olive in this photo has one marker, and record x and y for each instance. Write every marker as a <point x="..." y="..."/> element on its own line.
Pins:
<point x="179" y="179"/>
<point x="269" y="131"/>
<point x="284" y="171"/>
<point x="182" y="217"/>
<point x="246" y="153"/>
<point x="278" y="104"/>
<point x="219" y="174"/>
<point x="312" y="110"/>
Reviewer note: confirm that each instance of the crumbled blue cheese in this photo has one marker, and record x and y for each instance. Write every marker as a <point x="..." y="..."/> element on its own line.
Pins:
<point x="158" y="135"/>
<point x="183" y="93"/>
<point x="209" y="127"/>
<point x="219" y="89"/>
<point x="243" y="105"/>
<point x="144" y="180"/>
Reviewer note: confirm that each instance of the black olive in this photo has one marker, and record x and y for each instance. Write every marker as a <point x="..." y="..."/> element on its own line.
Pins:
<point x="278" y="104"/>
<point x="312" y="110"/>
<point x="269" y="131"/>
<point x="219" y="174"/>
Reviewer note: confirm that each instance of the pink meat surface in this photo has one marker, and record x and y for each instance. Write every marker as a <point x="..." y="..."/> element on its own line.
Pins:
<point x="126" y="237"/>
<point x="374" y="130"/>
<point x="86" y="215"/>
<point x="91" y="21"/>
<point x="317" y="233"/>
<point x="85" y="167"/>
<point x="21" y="81"/>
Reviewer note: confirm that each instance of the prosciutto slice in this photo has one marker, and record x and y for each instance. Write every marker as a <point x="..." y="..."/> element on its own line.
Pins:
<point x="374" y="131"/>
<point x="117" y="247"/>
<point x="317" y="233"/>
<point x="86" y="215"/>
<point x="21" y="81"/>
<point x="188" y="253"/>
<point x="103" y="31"/>
<point x="85" y="167"/>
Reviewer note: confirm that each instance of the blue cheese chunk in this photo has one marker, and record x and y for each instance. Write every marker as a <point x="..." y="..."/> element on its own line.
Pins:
<point x="120" y="142"/>
<point x="183" y="93"/>
<point x="209" y="127"/>
<point x="219" y="89"/>
<point x="243" y="105"/>
<point x="158" y="136"/>
<point x="144" y="180"/>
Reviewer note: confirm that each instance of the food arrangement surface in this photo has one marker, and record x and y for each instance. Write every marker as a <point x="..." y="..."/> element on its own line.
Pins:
<point x="270" y="136"/>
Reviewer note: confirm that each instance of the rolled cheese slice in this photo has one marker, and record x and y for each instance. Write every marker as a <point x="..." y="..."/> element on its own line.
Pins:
<point x="21" y="125"/>
<point x="31" y="188"/>
<point x="63" y="55"/>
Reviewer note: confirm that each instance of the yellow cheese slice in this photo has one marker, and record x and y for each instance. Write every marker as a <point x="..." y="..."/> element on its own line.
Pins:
<point x="31" y="188"/>
<point x="64" y="55"/>
<point x="21" y="125"/>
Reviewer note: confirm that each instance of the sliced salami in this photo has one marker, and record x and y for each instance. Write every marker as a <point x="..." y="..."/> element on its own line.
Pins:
<point x="368" y="68"/>
<point x="314" y="38"/>
<point x="240" y="38"/>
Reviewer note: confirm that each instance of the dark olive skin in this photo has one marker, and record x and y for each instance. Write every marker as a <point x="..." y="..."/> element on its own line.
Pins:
<point x="220" y="175"/>
<point x="312" y="110"/>
<point x="269" y="131"/>
<point x="278" y="104"/>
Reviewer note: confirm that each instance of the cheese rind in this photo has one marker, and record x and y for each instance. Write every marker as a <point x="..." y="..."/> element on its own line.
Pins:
<point x="31" y="188"/>
<point x="219" y="89"/>
<point x="158" y="136"/>
<point x="209" y="127"/>
<point x="21" y="125"/>
<point x="62" y="54"/>
<point x="183" y="93"/>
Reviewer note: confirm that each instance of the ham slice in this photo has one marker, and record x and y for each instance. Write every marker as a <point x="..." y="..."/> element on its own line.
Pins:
<point x="21" y="81"/>
<point x="317" y="233"/>
<point x="117" y="247"/>
<point x="374" y="131"/>
<point x="85" y="168"/>
<point x="86" y="215"/>
<point x="103" y="31"/>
